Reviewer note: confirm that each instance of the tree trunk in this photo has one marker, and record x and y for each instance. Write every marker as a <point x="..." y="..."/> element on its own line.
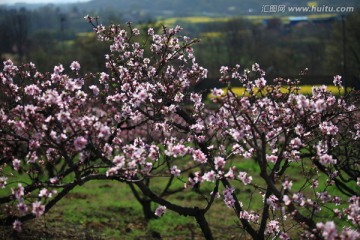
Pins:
<point x="147" y="211"/>
<point x="204" y="225"/>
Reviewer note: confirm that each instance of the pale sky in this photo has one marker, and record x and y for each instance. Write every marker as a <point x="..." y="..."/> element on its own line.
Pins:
<point x="40" y="1"/>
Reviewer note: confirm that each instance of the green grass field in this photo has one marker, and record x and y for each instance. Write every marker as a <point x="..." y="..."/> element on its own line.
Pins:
<point x="108" y="210"/>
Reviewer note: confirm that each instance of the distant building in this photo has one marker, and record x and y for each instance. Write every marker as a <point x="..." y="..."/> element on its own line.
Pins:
<point x="298" y="21"/>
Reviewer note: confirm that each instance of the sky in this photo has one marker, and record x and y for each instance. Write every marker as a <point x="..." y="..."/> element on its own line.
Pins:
<point x="40" y="1"/>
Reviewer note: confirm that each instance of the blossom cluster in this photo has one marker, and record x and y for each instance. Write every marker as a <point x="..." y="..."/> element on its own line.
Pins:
<point x="139" y="120"/>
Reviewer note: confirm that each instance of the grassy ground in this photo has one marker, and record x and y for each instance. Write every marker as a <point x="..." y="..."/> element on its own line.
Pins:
<point x="107" y="210"/>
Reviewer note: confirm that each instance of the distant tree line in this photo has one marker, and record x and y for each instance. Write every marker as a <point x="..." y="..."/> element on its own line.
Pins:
<point x="310" y="50"/>
<point x="49" y="36"/>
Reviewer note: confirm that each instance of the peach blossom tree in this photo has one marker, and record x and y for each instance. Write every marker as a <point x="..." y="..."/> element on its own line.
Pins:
<point x="140" y="120"/>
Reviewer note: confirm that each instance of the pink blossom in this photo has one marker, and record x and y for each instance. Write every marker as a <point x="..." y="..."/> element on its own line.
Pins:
<point x="17" y="226"/>
<point x="195" y="97"/>
<point x="99" y="29"/>
<point x="141" y="95"/>
<point x="320" y="105"/>
<point x="154" y="152"/>
<point x="160" y="211"/>
<point x="318" y="91"/>
<point x="244" y="215"/>
<point x="23" y="208"/>
<point x="219" y="163"/>
<point x="178" y="97"/>
<point x="296" y="143"/>
<point x="357" y="135"/>
<point x="112" y="171"/>
<point x="80" y="95"/>
<point x="53" y="180"/>
<point x="38" y="209"/>
<point x="46" y="193"/>
<point x="244" y="178"/>
<point x="272" y="201"/>
<point x="200" y="138"/>
<point x="336" y="200"/>
<point x="18" y="192"/>
<point x="34" y="144"/>
<point x="315" y="183"/>
<point x="248" y="154"/>
<point x="327" y="159"/>
<point x="255" y="67"/>
<point x="337" y="81"/>
<point x="252" y="217"/>
<point x="88" y="18"/>
<point x="197" y="127"/>
<point x="104" y="77"/>
<point x="230" y="174"/>
<point x="175" y="171"/>
<point x="80" y="143"/>
<point x="328" y="230"/>
<point x="94" y="89"/>
<point x="349" y="234"/>
<point x="63" y="116"/>
<point x="228" y="196"/>
<point x="353" y="210"/>
<point x="108" y="150"/>
<point x="299" y="198"/>
<point x="32" y="90"/>
<point x="58" y="69"/>
<point x="104" y="132"/>
<point x="331" y="100"/>
<point x="338" y="213"/>
<point x="299" y="129"/>
<point x="287" y="184"/>
<point x="273" y="227"/>
<point x="328" y="128"/>
<point x="119" y="161"/>
<point x="286" y="199"/>
<point x="9" y="66"/>
<point x="284" y="236"/>
<point x="260" y="83"/>
<point x="271" y="158"/>
<point x="209" y="176"/>
<point x="324" y="197"/>
<point x="193" y="180"/>
<point x="236" y="134"/>
<point x="217" y="92"/>
<point x="199" y="156"/>
<point x="136" y="31"/>
<point x="16" y="164"/>
<point x="3" y="182"/>
<point x="150" y="31"/>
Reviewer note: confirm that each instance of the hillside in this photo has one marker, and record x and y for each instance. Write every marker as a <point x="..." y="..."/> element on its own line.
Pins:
<point x="202" y="7"/>
<point x="176" y="8"/>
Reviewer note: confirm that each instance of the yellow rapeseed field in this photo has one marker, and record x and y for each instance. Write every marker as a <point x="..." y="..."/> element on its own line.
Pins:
<point x="195" y="19"/>
<point x="304" y="89"/>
